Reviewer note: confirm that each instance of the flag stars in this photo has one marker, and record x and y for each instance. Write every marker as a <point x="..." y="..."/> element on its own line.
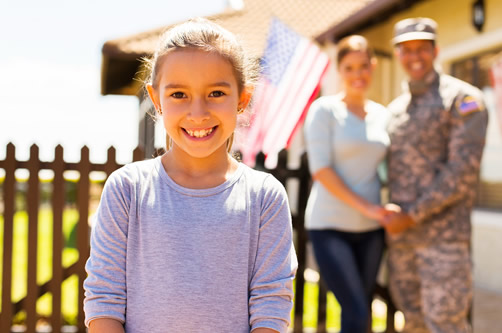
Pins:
<point x="281" y="42"/>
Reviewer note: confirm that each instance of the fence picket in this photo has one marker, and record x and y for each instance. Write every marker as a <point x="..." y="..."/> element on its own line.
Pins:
<point x="9" y="193"/>
<point x="138" y="154"/>
<point x="84" y="169"/>
<point x="301" y="242"/>
<point x="321" y="307"/>
<point x="57" y="241"/>
<point x="33" y="203"/>
<point x="111" y="164"/>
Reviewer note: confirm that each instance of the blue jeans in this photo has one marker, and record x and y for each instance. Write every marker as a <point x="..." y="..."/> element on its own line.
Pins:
<point x="349" y="263"/>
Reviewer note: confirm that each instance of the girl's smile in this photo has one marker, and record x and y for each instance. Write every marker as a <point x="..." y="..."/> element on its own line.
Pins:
<point x="200" y="133"/>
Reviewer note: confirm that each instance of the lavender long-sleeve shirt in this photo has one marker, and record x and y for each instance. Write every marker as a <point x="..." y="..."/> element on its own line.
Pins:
<point x="165" y="258"/>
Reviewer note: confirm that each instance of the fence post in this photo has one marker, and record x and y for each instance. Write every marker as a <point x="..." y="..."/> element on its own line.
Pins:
<point x="33" y="203"/>
<point x="57" y="241"/>
<point x="391" y="311"/>
<point x="9" y="193"/>
<point x="111" y="164"/>
<point x="321" y="306"/>
<point x="84" y="168"/>
<point x="301" y="250"/>
<point x="138" y="154"/>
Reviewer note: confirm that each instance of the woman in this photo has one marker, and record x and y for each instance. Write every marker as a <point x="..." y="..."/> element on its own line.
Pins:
<point x="346" y="141"/>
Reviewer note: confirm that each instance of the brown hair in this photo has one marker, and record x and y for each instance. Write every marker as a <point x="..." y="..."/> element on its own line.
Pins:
<point x="202" y="34"/>
<point x="353" y="43"/>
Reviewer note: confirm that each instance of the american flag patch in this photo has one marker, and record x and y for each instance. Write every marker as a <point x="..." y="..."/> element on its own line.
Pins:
<point x="468" y="105"/>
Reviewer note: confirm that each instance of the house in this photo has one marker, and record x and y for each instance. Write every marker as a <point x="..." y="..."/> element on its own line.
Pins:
<point x="469" y="38"/>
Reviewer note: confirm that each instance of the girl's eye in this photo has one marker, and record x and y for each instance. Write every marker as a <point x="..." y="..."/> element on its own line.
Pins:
<point x="217" y="93"/>
<point x="178" y="94"/>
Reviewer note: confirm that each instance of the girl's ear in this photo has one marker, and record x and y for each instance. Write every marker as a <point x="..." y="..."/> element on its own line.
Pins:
<point x="245" y="98"/>
<point x="153" y="96"/>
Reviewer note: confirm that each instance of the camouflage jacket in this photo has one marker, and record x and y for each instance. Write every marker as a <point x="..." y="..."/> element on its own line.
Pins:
<point x="437" y="134"/>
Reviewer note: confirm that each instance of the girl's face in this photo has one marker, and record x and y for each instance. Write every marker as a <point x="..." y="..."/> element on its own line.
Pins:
<point x="198" y="95"/>
<point x="355" y="71"/>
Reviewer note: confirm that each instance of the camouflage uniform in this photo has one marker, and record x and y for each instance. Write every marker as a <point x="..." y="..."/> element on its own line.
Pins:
<point x="437" y="134"/>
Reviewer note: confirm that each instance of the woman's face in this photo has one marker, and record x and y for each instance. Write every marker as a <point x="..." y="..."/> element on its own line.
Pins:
<point x="355" y="71"/>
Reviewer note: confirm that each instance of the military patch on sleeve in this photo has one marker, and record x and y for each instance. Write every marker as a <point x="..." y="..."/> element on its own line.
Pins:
<point x="468" y="105"/>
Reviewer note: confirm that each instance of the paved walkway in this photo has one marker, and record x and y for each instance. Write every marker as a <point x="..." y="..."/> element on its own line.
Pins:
<point x="487" y="311"/>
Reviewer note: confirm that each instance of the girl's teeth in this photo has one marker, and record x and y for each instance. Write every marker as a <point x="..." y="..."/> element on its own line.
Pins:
<point x="199" y="133"/>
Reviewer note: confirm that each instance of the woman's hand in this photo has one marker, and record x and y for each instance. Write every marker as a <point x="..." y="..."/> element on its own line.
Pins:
<point x="376" y="212"/>
<point x="382" y="214"/>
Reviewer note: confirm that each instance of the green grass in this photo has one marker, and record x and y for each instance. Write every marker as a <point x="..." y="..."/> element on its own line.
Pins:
<point x="333" y="311"/>
<point x="44" y="264"/>
<point x="310" y="308"/>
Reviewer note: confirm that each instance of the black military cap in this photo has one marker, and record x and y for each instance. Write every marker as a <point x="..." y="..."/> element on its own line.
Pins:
<point x="419" y="28"/>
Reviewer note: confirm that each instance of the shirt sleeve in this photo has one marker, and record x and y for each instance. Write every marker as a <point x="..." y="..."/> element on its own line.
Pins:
<point x="105" y="286"/>
<point x="318" y="132"/>
<point x="271" y="284"/>
<point x="457" y="179"/>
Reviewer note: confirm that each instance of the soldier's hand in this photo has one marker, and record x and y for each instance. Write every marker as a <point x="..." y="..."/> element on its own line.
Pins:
<point x="397" y="222"/>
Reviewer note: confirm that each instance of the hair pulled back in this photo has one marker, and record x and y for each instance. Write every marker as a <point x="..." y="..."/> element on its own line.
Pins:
<point x="353" y="43"/>
<point x="202" y="34"/>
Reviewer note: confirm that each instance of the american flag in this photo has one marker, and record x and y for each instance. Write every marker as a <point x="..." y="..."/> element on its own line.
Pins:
<point x="293" y="67"/>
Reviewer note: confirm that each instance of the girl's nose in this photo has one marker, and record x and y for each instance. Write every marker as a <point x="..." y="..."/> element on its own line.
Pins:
<point x="198" y="112"/>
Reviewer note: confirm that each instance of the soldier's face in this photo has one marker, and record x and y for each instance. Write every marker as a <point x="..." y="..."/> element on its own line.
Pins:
<point x="355" y="70"/>
<point x="417" y="57"/>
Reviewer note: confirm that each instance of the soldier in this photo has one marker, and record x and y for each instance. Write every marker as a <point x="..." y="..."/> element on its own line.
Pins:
<point x="437" y="136"/>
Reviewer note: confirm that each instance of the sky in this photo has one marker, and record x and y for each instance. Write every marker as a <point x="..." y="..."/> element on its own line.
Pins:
<point x="50" y="58"/>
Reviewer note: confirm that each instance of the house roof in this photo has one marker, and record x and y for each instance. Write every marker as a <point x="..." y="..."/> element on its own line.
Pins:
<point x="309" y="18"/>
<point x="376" y="12"/>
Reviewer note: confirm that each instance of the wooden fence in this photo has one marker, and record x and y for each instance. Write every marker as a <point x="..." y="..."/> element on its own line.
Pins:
<point x="60" y="273"/>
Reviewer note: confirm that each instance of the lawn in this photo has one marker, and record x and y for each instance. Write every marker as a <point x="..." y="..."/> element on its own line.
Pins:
<point x="70" y="286"/>
<point x="44" y="258"/>
<point x="333" y="310"/>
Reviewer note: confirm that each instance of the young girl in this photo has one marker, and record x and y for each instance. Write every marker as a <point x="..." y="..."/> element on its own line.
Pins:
<point x="193" y="241"/>
<point x="346" y="141"/>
